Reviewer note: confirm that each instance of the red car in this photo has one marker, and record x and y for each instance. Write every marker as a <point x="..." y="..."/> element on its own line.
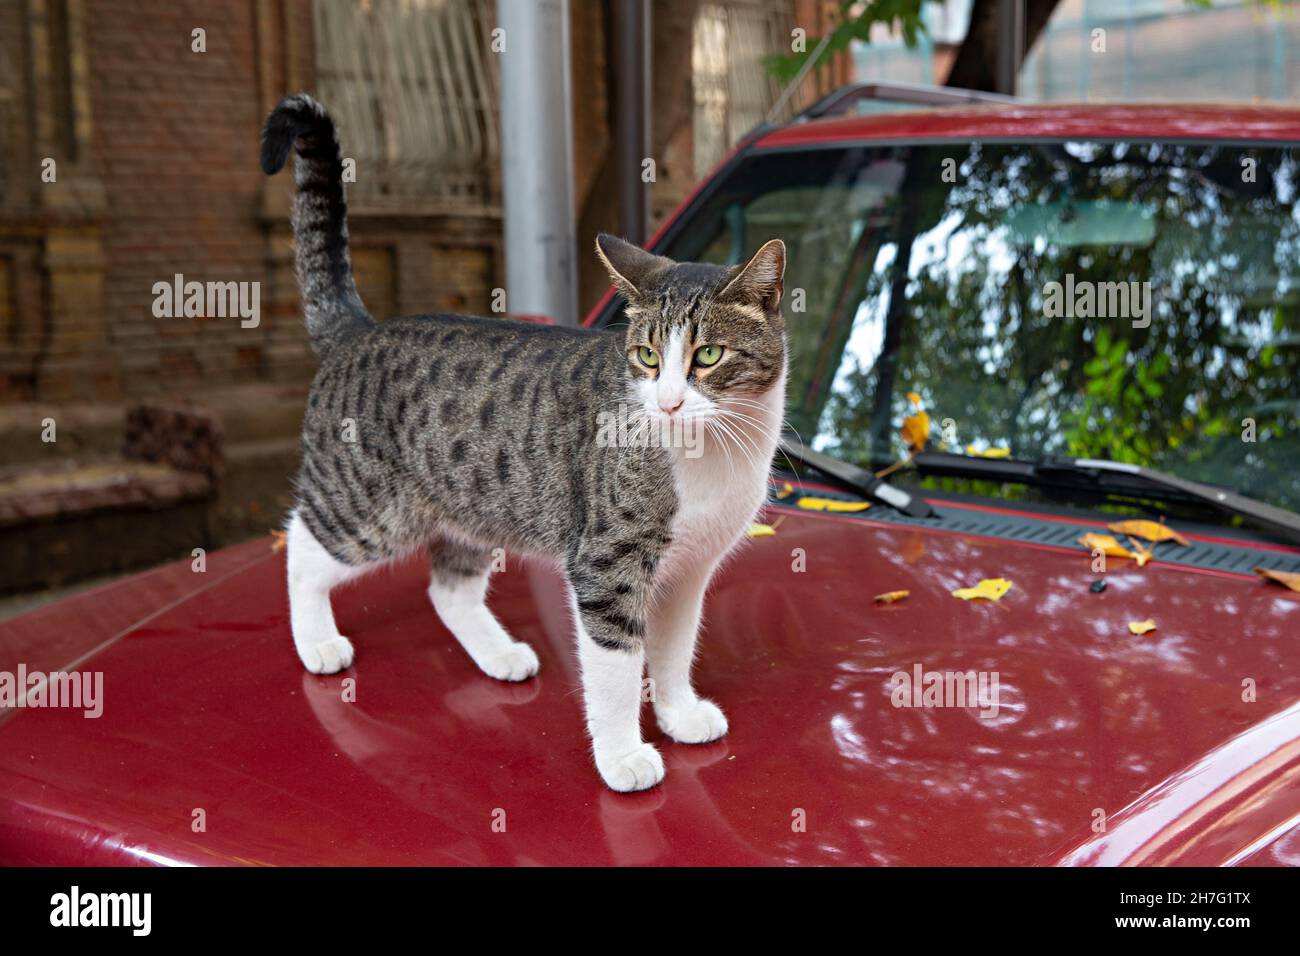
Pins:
<point x="1063" y="320"/>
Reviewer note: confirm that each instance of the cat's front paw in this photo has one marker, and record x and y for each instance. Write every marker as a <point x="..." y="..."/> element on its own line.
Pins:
<point x="518" y="663"/>
<point x="639" y="770"/>
<point x="695" y="723"/>
<point x="327" y="657"/>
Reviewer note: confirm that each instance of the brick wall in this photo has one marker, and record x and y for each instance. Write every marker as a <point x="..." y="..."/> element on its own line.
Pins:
<point x="169" y="163"/>
<point x="176" y="133"/>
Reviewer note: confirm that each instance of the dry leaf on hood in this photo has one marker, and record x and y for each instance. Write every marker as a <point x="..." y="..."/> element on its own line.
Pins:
<point x="1289" y="579"/>
<point x="1107" y="544"/>
<point x="913" y="549"/>
<point x="759" y="530"/>
<point x="831" y="504"/>
<point x="916" y="428"/>
<point x="990" y="589"/>
<point x="889" y="597"/>
<point x="1141" y="627"/>
<point x="786" y="491"/>
<point x="973" y="452"/>
<point x="279" y="539"/>
<point x="1153" y="531"/>
<point x="1142" y="553"/>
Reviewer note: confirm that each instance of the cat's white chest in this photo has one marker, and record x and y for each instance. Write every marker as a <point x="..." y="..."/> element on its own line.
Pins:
<point x="720" y="491"/>
<point x="716" y="504"/>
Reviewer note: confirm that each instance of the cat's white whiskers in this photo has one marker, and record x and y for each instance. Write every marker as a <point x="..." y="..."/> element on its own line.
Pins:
<point x="710" y="428"/>
<point x="742" y="421"/>
<point x="741" y="416"/>
<point x="786" y="425"/>
<point x="736" y="437"/>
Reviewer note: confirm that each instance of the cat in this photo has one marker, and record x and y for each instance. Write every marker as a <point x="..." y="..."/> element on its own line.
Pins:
<point x="460" y="435"/>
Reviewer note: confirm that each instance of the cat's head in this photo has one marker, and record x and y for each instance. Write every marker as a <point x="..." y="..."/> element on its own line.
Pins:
<point x="699" y="336"/>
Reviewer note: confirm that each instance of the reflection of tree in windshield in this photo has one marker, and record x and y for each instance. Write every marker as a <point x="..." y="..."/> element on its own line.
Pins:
<point x="1214" y="231"/>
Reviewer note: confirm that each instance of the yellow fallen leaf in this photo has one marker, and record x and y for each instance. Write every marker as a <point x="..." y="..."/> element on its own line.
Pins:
<point x="889" y="597"/>
<point x="831" y="504"/>
<point x="1143" y="554"/>
<point x="1153" y="531"/>
<point x="786" y="491"/>
<point x="1141" y="627"/>
<point x="913" y="549"/>
<point x="757" y="530"/>
<point x="916" y="428"/>
<point x="278" y="543"/>
<point x="990" y="589"/>
<point x="1106" y="544"/>
<point x="988" y="452"/>
<point x="1288" y="579"/>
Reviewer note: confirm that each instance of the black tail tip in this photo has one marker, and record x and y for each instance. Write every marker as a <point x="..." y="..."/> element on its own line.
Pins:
<point x="294" y="117"/>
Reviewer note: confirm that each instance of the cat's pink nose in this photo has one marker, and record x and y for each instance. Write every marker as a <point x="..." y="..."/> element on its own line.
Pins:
<point x="670" y="405"/>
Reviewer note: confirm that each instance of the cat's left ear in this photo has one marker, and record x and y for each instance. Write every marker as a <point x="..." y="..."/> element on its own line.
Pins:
<point x="630" y="267"/>
<point x="760" y="281"/>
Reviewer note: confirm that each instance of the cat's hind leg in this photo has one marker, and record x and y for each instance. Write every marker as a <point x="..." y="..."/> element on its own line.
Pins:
<point x="458" y="589"/>
<point x="313" y="573"/>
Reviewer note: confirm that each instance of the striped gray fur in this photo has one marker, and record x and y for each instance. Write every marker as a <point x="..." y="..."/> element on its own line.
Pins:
<point x="473" y="433"/>
<point x="331" y="304"/>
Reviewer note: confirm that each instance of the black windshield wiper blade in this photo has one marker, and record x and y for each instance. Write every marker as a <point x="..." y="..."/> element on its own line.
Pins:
<point x="1114" y="477"/>
<point x="857" y="479"/>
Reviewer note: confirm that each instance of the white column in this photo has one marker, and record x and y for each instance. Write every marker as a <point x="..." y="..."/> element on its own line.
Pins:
<point x="536" y="159"/>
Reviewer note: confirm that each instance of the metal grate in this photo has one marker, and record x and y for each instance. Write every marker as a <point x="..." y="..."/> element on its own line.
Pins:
<point x="413" y="85"/>
<point x="1240" y="559"/>
<point x="733" y="89"/>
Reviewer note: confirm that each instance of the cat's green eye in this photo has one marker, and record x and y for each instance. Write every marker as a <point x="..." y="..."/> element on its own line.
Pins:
<point x="707" y="355"/>
<point x="648" y="356"/>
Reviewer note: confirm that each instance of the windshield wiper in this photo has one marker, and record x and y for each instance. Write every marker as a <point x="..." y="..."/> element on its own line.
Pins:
<point x="1112" y="477"/>
<point x="856" y="479"/>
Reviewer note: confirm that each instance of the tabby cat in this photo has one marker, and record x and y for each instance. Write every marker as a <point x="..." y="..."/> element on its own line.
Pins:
<point x="461" y="435"/>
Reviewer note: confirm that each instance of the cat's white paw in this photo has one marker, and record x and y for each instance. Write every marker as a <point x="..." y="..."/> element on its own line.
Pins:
<point x="639" y="770"/>
<point x="327" y="657"/>
<point x="696" y="723"/>
<point x="518" y="663"/>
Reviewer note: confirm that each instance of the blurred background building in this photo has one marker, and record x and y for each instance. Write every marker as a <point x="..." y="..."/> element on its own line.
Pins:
<point x="173" y="431"/>
<point x="1153" y="50"/>
<point x="128" y="156"/>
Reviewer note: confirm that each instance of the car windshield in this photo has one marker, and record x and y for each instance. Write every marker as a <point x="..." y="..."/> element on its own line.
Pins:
<point x="1127" y="300"/>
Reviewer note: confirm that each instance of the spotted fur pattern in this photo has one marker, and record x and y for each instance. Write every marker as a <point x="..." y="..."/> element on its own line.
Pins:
<point x="459" y="435"/>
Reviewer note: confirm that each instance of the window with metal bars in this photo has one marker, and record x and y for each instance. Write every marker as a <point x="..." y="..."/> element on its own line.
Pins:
<point x="413" y="87"/>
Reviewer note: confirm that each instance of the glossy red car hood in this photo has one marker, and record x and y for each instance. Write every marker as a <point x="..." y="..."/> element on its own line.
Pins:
<point x="206" y="708"/>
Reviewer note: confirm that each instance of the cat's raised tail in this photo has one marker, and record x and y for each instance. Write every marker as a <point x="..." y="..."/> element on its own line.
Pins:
<point x="330" y="302"/>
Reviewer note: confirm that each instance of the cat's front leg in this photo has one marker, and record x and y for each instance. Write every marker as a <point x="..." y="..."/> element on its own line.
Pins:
<point x="670" y="648"/>
<point x="611" y="588"/>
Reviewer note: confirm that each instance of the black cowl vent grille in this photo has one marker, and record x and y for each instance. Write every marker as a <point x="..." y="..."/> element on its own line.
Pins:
<point x="1237" y="559"/>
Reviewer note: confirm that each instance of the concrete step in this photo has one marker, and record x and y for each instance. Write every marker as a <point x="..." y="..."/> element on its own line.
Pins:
<point x="79" y="510"/>
<point x="249" y="413"/>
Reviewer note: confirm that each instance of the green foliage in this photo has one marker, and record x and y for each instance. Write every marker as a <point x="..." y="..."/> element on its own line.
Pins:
<point x="1118" y="397"/>
<point x="903" y="15"/>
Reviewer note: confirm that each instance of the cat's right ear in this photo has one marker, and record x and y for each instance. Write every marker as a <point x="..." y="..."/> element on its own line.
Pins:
<point x="630" y="267"/>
